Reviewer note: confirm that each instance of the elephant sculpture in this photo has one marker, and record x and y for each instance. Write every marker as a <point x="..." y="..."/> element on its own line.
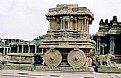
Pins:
<point x="103" y="59"/>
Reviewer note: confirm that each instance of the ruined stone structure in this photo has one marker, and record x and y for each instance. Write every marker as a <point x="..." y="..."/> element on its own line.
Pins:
<point x="108" y="38"/>
<point x="19" y="51"/>
<point x="5" y="45"/>
<point x="67" y="42"/>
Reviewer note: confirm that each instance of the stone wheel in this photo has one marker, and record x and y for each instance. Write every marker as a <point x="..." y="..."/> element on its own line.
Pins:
<point x="52" y="57"/>
<point x="76" y="58"/>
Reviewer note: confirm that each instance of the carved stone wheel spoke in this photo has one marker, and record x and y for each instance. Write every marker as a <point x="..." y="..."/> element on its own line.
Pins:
<point x="76" y="58"/>
<point x="52" y="57"/>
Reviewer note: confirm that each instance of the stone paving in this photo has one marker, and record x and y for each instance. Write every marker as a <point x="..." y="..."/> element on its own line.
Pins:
<point x="48" y="74"/>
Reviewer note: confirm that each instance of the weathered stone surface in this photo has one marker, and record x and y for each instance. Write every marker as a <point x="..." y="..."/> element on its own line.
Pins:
<point x="108" y="38"/>
<point x="48" y="68"/>
<point x="109" y="69"/>
<point x="18" y="67"/>
<point x="53" y="74"/>
<point x="76" y="58"/>
<point x="52" y="57"/>
<point x="65" y="69"/>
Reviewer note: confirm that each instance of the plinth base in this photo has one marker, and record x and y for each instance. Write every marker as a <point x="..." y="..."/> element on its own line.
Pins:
<point x="108" y="69"/>
<point x="46" y="68"/>
<point x="65" y="69"/>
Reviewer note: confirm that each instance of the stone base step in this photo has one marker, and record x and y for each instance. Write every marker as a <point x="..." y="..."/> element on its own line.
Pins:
<point x="46" y="68"/>
<point x="108" y="69"/>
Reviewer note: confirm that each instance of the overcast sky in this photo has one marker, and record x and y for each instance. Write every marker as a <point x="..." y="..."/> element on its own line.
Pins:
<point x="25" y="19"/>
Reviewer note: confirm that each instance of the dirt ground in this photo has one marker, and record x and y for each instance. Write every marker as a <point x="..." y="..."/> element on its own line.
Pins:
<point x="54" y="74"/>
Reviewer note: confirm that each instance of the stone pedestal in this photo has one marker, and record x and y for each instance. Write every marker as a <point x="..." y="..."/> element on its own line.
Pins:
<point x="65" y="69"/>
<point x="46" y="68"/>
<point x="108" y="69"/>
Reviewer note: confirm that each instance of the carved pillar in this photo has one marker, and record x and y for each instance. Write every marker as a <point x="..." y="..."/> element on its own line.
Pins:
<point x="4" y="51"/>
<point x="28" y="49"/>
<point x="51" y="35"/>
<point x="61" y="22"/>
<point x="98" y="45"/>
<point x="112" y="45"/>
<point x="35" y="48"/>
<point x="17" y="48"/>
<point x="82" y="25"/>
<point x="10" y="50"/>
<point x="71" y="23"/>
<point x="85" y="24"/>
<point x="49" y="27"/>
<point x="88" y="26"/>
<point x="79" y="24"/>
<point x="103" y="45"/>
<point x="22" y="48"/>
<point x="76" y="27"/>
<point x="58" y="24"/>
<point x="42" y="51"/>
<point x="68" y="24"/>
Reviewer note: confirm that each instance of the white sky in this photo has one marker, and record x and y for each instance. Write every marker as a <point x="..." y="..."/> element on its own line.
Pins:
<point x="25" y="19"/>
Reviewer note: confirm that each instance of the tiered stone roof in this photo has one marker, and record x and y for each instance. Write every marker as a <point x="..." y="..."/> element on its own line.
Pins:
<point x="109" y="28"/>
<point x="69" y="9"/>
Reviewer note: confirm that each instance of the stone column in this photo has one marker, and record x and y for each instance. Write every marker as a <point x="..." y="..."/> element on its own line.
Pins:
<point x="51" y="35"/>
<point x="20" y="58"/>
<point x="98" y="45"/>
<point x="28" y="48"/>
<point x="4" y="51"/>
<point x="112" y="45"/>
<point x="71" y="23"/>
<point x="68" y="24"/>
<point x="50" y="23"/>
<point x="49" y="27"/>
<point x="17" y="48"/>
<point x="22" y="49"/>
<point x="79" y="25"/>
<point x="103" y="49"/>
<point x="10" y="50"/>
<point x="63" y="24"/>
<point x="58" y="25"/>
<point x="42" y="51"/>
<point x="35" y="48"/>
<point x="82" y="25"/>
<point x="85" y="25"/>
<point x="76" y="24"/>
<point x="88" y="26"/>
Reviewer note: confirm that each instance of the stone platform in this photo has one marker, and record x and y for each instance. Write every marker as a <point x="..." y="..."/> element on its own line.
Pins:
<point x="45" y="68"/>
<point x="48" y="74"/>
<point x="65" y="69"/>
<point x="109" y="69"/>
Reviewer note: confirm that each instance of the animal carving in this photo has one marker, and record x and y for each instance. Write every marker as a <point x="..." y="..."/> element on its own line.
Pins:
<point x="4" y="59"/>
<point x="101" y="59"/>
<point x="88" y="61"/>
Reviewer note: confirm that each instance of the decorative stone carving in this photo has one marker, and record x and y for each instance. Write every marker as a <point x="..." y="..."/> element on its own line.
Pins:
<point x="4" y="59"/>
<point x="52" y="57"/>
<point x="88" y="62"/>
<point x="76" y="58"/>
<point x="103" y="59"/>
